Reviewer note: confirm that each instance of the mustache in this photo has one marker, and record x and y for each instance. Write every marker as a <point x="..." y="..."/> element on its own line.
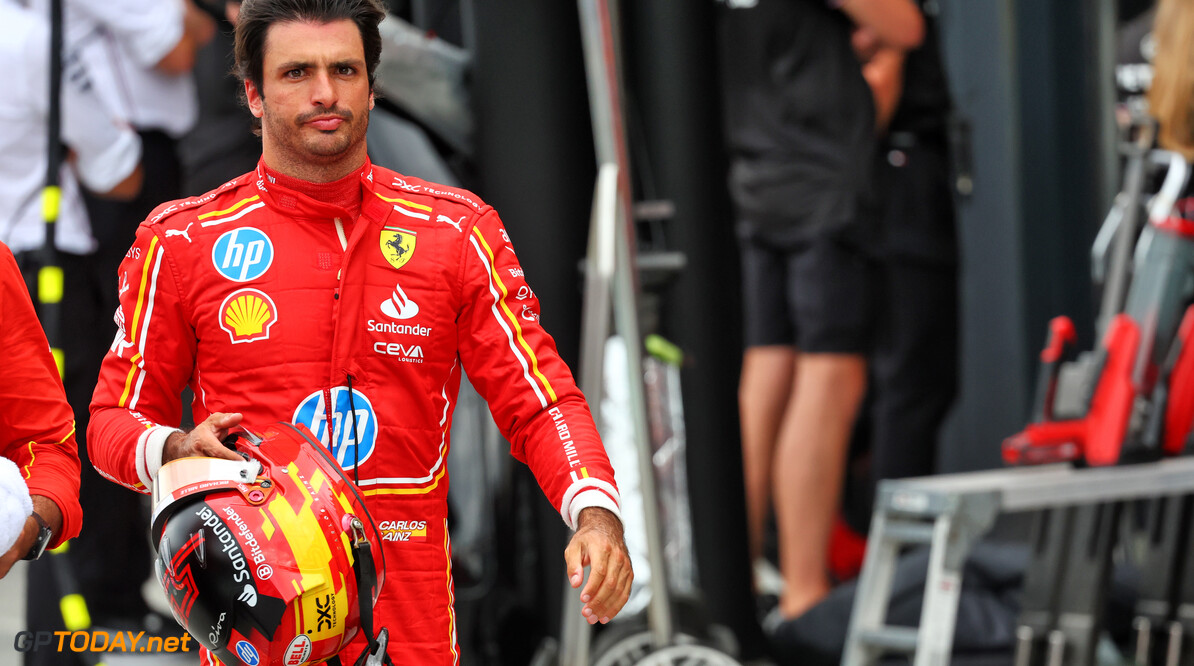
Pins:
<point x="343" y="114"/>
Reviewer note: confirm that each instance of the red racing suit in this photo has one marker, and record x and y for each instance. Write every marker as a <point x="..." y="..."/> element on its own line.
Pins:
<point x="268" y="302"/>
<point x="37" y="426"/>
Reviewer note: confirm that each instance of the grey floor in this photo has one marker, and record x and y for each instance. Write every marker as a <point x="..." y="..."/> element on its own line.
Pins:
<point x="12" y="620"/>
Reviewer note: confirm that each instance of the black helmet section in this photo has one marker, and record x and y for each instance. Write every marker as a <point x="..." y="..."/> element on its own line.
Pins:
<point x="207" y="581"/>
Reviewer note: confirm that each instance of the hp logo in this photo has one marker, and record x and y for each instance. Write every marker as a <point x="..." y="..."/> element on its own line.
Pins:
<point x="348" y="447"/>
<point x="243" y="254"/>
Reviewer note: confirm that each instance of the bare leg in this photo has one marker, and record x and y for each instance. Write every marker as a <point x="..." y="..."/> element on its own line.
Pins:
<point x="763" y="394"/>
<point x="809" y="464"/>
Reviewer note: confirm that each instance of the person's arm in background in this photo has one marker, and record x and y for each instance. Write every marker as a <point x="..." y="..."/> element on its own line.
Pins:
<point x="37" y="426"/>
<point x="198" y="29"/>
<point x="884" y="72"/>
<point x="896" y="24"/>
<point x="104" y="150"/>
<point x="161" y="34"/>
<point x="886" y="30"/>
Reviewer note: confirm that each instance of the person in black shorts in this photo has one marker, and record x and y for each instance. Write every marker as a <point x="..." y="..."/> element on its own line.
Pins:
<point x="800" y="132"/>
<point x="914" y="364"/>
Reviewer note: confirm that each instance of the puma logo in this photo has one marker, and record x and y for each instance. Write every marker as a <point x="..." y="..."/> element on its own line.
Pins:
<point x="447" y="220"/>
<point x="176" y="232"/>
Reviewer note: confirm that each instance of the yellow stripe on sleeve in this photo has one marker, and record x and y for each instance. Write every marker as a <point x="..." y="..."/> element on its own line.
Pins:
<point x="141" y="291"/>
<point x="33" y="455"/>
<point x="510" y="315"/>
<point x="230" y="209"/>
<point x="451" y="596"/>
<point x="423" y="207"/>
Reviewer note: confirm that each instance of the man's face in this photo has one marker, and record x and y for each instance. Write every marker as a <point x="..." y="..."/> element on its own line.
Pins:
<point x="314" y="100"/>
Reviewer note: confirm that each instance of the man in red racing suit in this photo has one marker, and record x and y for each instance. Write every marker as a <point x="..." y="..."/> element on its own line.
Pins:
<point x="37" y="428"/>
<point x="351" y="306"/>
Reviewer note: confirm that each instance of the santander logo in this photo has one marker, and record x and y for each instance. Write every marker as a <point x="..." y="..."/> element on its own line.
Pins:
<point x="398" y="306"/>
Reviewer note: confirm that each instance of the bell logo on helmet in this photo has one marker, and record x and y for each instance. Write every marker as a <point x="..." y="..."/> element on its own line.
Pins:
<point x="298" y="652"/>
<point x="348" y="446"/>
<point x="247" y="653"/>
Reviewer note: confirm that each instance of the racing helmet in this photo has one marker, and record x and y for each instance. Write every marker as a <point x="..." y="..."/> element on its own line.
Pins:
<point x="266" y="561"/>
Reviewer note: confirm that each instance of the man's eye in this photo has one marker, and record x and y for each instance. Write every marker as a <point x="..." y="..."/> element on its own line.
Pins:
<point x="346" y="70"/>
<point x="294" y="73"/>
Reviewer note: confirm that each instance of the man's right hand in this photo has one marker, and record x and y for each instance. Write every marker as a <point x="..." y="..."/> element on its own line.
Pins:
<point x="204" y="441"/>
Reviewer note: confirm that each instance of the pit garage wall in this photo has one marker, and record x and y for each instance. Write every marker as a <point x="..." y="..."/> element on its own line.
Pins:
<point x="1028" y="78"/>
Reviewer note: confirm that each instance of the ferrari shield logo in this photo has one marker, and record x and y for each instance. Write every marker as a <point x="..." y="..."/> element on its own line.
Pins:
<point x="397" y="245"/>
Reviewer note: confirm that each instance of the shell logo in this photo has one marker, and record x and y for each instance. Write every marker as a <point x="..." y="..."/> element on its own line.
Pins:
<point x="247" y="315"/>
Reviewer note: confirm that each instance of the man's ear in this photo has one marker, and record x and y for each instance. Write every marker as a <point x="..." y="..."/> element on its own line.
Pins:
<point x="256" y="105"/>
<point x="371" y="100"/>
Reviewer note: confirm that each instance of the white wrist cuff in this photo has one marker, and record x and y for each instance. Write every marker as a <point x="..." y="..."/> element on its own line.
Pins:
<point x="590" y="498"/>
<point x="149" y="452"/>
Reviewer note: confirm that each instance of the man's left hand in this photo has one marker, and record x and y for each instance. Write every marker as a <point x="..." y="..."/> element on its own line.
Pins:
<point x="599" y="545"/>
<point x="48" y="510"/>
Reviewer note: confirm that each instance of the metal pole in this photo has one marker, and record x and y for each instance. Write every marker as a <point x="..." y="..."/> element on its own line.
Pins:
<point x="49" y="274"/>
<point x="600" y="265"/>
<point x="599" y="21"/>
<point x="72" y="605"/>
<point x="1103" y="21"/>
<point x="1119" y="273"/>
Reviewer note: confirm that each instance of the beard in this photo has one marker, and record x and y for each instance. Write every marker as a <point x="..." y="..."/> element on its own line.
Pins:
<point x="309" y="144"/>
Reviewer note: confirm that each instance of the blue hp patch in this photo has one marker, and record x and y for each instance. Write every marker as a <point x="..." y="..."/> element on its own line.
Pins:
<point x="243" y="254"/>
<point x="349" y="448"/>
<point x="247" y="653"/>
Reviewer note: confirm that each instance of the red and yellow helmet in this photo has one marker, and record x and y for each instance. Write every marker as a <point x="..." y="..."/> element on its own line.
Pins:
<point x="266" y="562"/>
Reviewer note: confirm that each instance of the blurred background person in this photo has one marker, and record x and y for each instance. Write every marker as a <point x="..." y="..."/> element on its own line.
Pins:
<point x="104" y="156"/>
<point x="39" y="466"/>
<point x="801" y="135"/>
<point x="37" y="427"/>
<point x="913" y="372"/>
<point x="138" y="54"/>
<point x="1171" y="96"/>
<point x="220" y="145"/>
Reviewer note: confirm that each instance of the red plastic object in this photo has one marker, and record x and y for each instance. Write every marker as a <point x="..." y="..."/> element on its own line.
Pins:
<point x="1112" y="404"/>
<point x="847" y="549"/>
<point x="1179" y="414"/>
<point x="1098" y="437"/>
<point x="1061" y="334"/>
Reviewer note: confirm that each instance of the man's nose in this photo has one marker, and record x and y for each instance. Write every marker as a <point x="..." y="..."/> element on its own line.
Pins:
<point x="323" y="90"/>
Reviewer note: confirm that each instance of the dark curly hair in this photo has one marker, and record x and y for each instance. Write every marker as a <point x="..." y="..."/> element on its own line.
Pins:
<point x="256" y="16"/>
